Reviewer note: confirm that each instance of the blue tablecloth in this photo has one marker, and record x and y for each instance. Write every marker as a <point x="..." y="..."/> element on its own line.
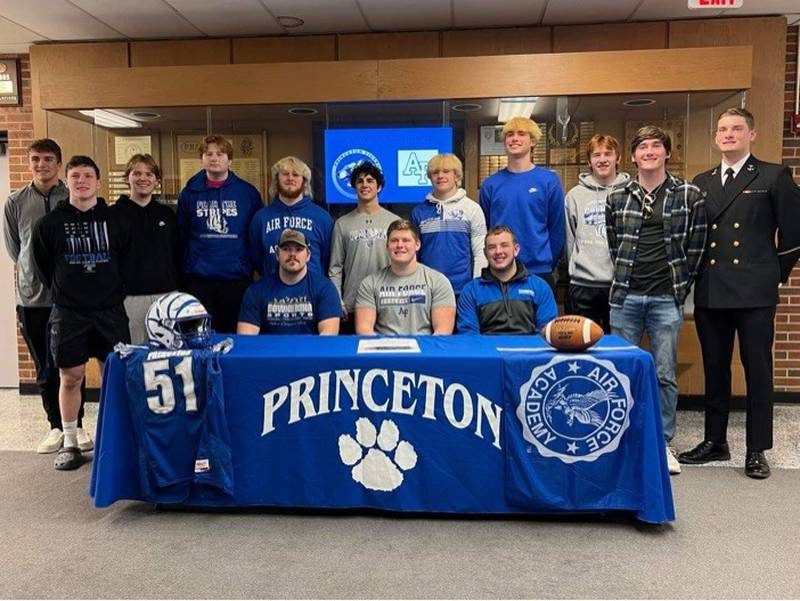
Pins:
<point x="469" y="424"/>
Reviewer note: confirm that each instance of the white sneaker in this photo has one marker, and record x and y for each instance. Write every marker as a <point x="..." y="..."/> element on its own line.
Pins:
<point x="51" y="442"/>
<point x="672" y="462"/>
<point x="84" y="440"/>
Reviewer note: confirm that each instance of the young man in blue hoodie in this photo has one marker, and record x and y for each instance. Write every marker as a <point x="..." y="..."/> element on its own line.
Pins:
<point x="214" y="214"/>
<point x="528" y="199"/>
<point x="452" y="226"/>
<point x="291" y="207"/>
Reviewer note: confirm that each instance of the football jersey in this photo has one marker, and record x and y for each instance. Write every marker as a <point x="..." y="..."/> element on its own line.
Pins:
<point x="177" y="406"/>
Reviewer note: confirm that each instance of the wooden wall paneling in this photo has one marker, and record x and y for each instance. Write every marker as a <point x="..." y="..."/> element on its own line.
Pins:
<point x="471" y="158"/>
<point x="93" y="376"/>
<point x="284" y="49"/>
<point x="59" y="58"/>
<point x="180" y="52"/>
<point x="50" y="61"/>
<point x="285" y="138"/>
<point x="767" y="36"/>
<point x="188" y="85"/>
<point x="699" y="131"/>
<point x="169" y="168"/>
<point x="483" y="42"/>
<point x="610" y="36"/>
<point x="412" y="44"/>
<point x="102" y="146"/>
<point x="555" y="74"/>
<point x="73" y="135"/>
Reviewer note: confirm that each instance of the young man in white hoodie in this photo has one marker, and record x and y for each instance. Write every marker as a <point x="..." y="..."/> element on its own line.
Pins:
<point x="590" y="268"/>
<point x="452" y="227"/>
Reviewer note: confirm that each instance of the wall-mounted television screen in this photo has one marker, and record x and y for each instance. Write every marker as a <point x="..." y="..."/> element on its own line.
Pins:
<point x="402" y="155"/>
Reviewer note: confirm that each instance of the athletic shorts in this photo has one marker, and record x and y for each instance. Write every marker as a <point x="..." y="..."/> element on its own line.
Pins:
<point x="77" y="335"/>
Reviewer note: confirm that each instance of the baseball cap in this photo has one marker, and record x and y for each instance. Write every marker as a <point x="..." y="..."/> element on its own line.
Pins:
<point x="293" y="236"/>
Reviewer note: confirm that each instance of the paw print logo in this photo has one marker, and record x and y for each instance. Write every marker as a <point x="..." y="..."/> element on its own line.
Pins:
<point x="378" y="467"/>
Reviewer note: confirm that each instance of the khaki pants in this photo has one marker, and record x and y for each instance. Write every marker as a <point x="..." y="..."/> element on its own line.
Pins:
<point x="137" y="307"/>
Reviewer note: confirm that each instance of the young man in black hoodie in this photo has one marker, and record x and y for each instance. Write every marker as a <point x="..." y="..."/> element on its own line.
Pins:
<point x="153" y="260"/>
<point x="77" y="248"/>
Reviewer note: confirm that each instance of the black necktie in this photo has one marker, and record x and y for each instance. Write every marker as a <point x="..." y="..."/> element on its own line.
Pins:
<point x="728" y="179"/>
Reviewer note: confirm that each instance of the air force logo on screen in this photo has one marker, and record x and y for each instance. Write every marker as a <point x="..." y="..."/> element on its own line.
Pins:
<point x="412" y="167"/>
<point x="343" y="166"/>
<point x="575" y="408"/>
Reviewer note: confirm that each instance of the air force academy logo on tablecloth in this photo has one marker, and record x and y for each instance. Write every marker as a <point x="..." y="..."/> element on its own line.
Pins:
<point x="575" y="408"/>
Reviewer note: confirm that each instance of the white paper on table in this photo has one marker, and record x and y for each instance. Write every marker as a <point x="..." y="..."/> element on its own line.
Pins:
<point x="388" y="345"/>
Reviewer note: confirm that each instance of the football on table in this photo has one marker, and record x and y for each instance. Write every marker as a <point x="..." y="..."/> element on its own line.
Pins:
<point x="572" y="333"/>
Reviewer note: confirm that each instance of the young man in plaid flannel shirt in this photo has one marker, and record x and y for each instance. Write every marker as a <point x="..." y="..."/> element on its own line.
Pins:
<point x="656" y="229"/>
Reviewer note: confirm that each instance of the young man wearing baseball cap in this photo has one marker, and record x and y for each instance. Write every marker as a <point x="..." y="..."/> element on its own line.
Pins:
<point x="294" y="300"/>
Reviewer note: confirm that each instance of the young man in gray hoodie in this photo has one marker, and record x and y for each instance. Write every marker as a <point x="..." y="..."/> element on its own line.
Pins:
<point x="590" y="266"/>
<point x="34" y="299"/>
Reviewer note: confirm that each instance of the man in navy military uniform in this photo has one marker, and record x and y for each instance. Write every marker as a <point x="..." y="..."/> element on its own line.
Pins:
<point x="737" y="288"/>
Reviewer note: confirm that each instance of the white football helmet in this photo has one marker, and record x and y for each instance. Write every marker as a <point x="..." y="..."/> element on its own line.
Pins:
<point x="178" y="321"/>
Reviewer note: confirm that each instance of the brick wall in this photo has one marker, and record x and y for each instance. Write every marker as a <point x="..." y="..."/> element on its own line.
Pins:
<point x="18" y="121"/>
<point x="787" y="328"/>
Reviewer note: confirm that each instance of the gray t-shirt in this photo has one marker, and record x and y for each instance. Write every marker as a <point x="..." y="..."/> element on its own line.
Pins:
<point x="404" y="303"/>
<point x="359" y="249"/>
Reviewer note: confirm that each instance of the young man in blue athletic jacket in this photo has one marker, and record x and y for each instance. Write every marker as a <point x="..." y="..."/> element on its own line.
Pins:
<point x="506" y="299"/>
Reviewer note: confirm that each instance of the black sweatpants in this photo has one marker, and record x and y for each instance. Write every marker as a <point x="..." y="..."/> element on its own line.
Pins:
<point x="221" y="298"/>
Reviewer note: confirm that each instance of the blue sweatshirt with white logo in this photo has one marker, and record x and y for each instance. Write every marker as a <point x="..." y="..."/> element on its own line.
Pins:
<point x="452" y="232"/>
<point x="213" y="224"/>
<point x="532" y="205"/>
<point x="303" y="216"/>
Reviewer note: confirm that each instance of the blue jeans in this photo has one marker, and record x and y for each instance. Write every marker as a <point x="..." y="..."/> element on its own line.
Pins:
<point x="662" y="318"/>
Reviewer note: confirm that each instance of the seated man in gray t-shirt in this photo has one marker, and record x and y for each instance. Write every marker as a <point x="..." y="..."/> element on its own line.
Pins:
<point x="405" y="298"/>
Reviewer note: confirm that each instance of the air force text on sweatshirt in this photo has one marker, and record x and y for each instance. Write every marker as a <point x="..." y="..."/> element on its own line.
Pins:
<point x="303" y="216"/>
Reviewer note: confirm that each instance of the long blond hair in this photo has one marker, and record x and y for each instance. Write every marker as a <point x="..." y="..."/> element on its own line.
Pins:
<point x="294" y="164"/>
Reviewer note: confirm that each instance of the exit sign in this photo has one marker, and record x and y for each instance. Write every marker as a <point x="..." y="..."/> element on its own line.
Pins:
<point x="716" y="3"/>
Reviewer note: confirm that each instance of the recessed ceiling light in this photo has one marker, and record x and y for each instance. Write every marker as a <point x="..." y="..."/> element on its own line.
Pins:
<point x="145" y="115"/>
<point x="302" y="111"/>
<point x="638" y="102"/>
<point x="287" y="21"/>
<point x="110" y="118"/>
<point x="467" y="107"/>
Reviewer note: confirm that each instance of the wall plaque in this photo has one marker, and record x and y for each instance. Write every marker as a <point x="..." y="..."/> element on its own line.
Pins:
<point x="10" y="82"/>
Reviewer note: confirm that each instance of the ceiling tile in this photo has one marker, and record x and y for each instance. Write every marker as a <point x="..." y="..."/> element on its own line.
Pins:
<point x="658" y="10"/>
<point x="509" y="13"/>
<point x="328" y="16"/>
<point x="234" y="17"/>
<point x="11" y="33"/>
<point x="411" y="14"/>
<point x="14" y="48"/>
<point x="764" y="7"/>
<point x="59" y="21"/>
<point x="560" y="12"/>
<point x="144" y="19"/>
